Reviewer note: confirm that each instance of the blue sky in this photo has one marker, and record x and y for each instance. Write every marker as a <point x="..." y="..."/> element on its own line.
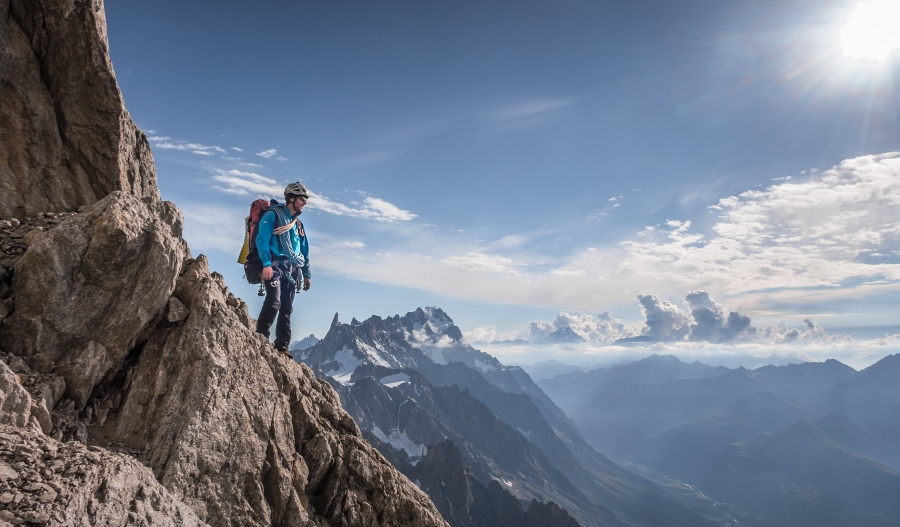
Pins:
<point x="509" y="161"/>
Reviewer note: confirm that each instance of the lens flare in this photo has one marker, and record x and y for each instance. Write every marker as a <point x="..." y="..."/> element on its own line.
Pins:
<point x="872" y="30"/>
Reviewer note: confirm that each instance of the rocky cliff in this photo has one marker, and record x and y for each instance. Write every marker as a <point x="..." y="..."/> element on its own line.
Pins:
<point x="133" y="389"/>
<point x="66" y="139"/>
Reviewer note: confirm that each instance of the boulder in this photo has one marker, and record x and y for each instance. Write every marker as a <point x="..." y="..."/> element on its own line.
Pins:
<point x="63" y="121"/>
<point x="86" y="289"/>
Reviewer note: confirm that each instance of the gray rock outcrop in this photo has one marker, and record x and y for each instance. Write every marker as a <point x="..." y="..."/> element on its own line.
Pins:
<point x="43" y="481"/>
<point x="87" y="288"/>
<point x="244" y="435"/>
<point x="66" y="139"/>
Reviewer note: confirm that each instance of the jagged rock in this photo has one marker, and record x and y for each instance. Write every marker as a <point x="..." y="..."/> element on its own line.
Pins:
<point x="246" y="436"/>
<point x="241" y="434"/>
<point x="175" y="311"/>
<point x="15" y="403"/>
<point x="70" y="484"/>
<point x="85" y="289"/>
<point x="63" y="122"/>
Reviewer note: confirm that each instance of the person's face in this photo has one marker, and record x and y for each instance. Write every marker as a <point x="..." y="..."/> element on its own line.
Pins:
<point x="297" y="204"/>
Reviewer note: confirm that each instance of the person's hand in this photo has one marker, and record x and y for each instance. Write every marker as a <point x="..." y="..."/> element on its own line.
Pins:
<point x="267" y="273"/>
<point x="306" y="284"/>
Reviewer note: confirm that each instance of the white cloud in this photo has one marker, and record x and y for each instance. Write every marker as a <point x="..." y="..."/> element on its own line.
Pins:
<point x="372" y="208"/>
<point x="483" y="334"/>
<point x="197" y="148"/>
<point x="603" y="328"/>
<point x="267" y="153"/>
<point x="240" y="182"/>
<point x="815" y="236"/>
<point x="702" y="321"/>
<point x="236" y="149"/>
<point x="806" y="234"/>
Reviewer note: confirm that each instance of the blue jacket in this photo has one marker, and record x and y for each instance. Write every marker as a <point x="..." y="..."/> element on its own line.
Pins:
<point x="269" y="245"/>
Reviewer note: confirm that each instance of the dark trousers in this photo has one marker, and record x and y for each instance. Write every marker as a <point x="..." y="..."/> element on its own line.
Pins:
<point x="279" y="303"/>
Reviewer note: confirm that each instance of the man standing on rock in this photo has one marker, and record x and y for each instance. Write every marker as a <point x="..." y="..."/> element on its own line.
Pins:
<point x="284" y="252"/>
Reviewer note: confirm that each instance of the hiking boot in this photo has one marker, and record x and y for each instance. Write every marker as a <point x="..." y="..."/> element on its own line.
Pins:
<point x="285" y="353"/>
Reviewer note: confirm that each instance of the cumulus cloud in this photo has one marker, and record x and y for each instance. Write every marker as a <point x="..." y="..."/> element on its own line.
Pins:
<point x="592" y="328"/>
<point x="711" y="323"/>
<point x="664" y="320"/>
<point x="698" y="320"/>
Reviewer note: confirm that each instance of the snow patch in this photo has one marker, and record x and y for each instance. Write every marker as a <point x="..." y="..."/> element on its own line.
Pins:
<point x="401" y="441"/>
<point x="392" y="381"/>
<point x="347" y="362"/>
<point x="439" y="326"/>
<point x="372" y="354"/>
<point x="485" y="367"/>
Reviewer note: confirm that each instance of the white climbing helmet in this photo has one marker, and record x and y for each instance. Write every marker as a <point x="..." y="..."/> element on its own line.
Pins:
<point x="296" y="189"/>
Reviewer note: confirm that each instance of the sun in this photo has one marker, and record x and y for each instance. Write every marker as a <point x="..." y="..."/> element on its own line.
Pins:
<point x="872" y="30"/>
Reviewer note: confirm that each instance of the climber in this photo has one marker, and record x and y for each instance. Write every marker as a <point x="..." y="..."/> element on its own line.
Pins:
<point x="284" y="252"/>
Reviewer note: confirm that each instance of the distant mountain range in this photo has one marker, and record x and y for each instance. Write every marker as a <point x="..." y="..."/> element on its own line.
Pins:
<point x="412" y="385"/>
<point x="813" y="444"/>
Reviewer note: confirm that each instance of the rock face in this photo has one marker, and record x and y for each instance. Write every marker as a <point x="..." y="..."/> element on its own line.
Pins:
<point x="244" y="435"/>
<point x="238" y="433"/>
<point x="86" y="289"/>
<point x="43" y="481"/>
<point x="66" y="139"/>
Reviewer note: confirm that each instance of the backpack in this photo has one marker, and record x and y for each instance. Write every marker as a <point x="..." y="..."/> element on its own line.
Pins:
<point x="249" y="254"/>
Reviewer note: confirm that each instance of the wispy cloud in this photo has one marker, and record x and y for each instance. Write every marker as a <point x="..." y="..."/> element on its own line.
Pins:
<point x="371" y="208"/>
<point x="267" y="153"/>
<point x="240" y="182"/>
<point x="197" y="148"/>
<point x="528" y="109"/>
<point x="832" y="232"/>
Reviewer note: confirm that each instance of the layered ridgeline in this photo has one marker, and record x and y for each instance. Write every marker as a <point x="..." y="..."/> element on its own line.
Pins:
<point x="133" y="389"/>
<point x="412" y="383"/>
<point x="812" y="444"/>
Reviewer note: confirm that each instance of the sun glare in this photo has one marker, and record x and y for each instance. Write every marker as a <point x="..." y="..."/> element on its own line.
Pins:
<point x="872" y="30"/>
